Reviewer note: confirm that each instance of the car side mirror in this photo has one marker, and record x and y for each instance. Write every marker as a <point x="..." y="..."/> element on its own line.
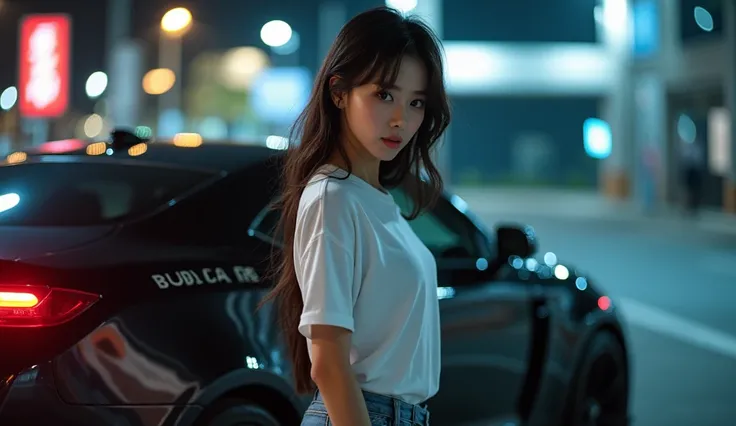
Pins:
<point x="515" y="240"/>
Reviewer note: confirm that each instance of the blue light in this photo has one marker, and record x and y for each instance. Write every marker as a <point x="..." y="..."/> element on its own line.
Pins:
<point x="597" y="138"/>
<point x="646" y="28"/>
<point x="703" y="18"/>
<point x="280" y="94"/>
<point x="9" y="201"/>
<point x="581" y="283"/>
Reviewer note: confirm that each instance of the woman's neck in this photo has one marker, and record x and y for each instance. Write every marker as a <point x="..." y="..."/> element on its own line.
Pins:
<point x="362" y="163"/>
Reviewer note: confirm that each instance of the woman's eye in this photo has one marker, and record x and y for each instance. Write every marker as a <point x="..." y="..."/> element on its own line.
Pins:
<point x="419" y="103"/>
<point x="384" y="95"/>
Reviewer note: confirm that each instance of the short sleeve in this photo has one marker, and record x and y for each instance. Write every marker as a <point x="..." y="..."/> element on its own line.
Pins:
<point x="325" y="262"/>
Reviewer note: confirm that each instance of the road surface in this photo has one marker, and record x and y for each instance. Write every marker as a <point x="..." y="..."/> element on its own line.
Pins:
<point x="676" y="285"/>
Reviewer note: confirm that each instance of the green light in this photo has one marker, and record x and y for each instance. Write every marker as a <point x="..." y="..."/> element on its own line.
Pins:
<point x="143" y="132"/>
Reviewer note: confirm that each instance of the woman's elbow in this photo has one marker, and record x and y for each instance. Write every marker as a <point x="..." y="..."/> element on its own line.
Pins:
<point x="330" y="353"/>
<point x="326" y="366"/>
<point x="317" y="372"/>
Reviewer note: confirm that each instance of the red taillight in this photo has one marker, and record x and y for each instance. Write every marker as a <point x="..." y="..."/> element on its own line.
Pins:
<point x="9" y="299"/>
<point x="33" y="306"/>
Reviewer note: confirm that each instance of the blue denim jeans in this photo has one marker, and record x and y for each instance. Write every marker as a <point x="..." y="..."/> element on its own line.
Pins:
<point x="382" y="410"/>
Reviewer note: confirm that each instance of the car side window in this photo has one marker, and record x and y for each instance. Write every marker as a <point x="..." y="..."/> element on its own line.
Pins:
<point x="265" y="224"/>
<point x="443" y="229"/>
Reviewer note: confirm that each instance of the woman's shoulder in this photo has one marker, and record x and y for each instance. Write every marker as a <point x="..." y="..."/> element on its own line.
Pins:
<point x="327" y="206"/>
<point x="328" y="196"/>
<point x="329" y="189"/>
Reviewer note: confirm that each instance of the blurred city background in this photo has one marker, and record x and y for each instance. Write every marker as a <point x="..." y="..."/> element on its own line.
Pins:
<point x="569" y="93"/>
<point x="583" y="118"/>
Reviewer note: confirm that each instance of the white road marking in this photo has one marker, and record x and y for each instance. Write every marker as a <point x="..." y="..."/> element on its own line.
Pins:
<point x="688" y="331"/>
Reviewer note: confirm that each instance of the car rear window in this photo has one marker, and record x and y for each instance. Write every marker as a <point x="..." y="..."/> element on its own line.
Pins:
<point x="87" y="194"/>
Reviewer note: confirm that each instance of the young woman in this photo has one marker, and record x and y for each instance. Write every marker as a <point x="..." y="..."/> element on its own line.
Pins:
<point x="355" y="286"/>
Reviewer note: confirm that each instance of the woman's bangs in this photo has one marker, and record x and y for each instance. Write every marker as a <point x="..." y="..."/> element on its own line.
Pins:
<point x="383" y="71"/>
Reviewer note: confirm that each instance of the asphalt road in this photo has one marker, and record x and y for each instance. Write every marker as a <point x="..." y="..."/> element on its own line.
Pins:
<point x="677" y="290"/>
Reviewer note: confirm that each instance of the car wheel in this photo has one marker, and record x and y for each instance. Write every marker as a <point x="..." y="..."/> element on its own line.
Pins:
<point x="237" y="412"/>
<point x="600" y="395"/>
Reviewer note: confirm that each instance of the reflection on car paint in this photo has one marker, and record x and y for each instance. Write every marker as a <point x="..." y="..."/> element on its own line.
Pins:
<point x="128" y="372"/>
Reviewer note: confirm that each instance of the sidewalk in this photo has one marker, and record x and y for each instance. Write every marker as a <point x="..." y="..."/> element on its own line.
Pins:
<point x="586" y="205"/>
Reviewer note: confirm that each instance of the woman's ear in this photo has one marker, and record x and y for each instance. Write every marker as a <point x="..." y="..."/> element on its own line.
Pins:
<point x="338" y="97"/>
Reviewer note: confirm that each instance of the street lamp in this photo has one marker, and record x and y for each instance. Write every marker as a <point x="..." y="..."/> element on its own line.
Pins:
<point x="276" y="33"/>
<point x="283" y="41"/>
<point x="8" y="98"/>
<point x="174" y="24"/>
<point x="176" y="20"/>
<point x="158" y="81"/>
<point x="96" y="84"/>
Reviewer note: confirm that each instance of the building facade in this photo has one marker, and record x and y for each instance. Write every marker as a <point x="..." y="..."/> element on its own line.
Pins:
<point x="648" y="68"/>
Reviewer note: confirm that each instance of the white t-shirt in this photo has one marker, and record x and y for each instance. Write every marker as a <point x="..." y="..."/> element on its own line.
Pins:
<point x="360" y="266"/>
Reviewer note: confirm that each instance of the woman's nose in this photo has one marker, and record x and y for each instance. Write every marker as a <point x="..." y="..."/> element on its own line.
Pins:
<point x="397" y="119"/>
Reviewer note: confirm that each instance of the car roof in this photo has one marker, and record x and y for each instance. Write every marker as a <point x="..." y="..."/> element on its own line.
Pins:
<point x="216" y="156"/>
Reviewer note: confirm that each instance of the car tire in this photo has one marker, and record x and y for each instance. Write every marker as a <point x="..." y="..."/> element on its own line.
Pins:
<point x="237" y="412"/>
<point x="600" y="393"/>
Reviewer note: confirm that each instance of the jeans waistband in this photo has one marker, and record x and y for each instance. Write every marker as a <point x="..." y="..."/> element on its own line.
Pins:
<point x="393" y="408"/>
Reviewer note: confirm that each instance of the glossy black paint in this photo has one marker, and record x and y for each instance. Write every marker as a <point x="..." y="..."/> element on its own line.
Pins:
<point x="147" y="355"/>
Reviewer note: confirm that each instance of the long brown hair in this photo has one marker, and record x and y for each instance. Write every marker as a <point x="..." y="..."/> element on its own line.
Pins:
<point x="368" y="49"/>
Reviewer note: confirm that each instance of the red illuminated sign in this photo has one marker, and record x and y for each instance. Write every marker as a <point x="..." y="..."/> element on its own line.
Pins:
<point x="45" y="45"/>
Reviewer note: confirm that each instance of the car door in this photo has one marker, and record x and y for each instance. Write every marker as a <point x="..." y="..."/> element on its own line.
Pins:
<point x="486" y="323"/>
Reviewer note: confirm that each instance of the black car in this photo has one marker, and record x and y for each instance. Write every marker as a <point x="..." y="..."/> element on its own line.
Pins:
<point x="130" y="275"/>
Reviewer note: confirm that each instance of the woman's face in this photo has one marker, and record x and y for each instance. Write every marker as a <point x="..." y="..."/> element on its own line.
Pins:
<point x="382" y="120"/>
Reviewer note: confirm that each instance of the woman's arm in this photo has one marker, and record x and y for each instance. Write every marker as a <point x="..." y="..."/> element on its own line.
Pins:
<point x="325" y="265"/>
<point x="334" y="377"/>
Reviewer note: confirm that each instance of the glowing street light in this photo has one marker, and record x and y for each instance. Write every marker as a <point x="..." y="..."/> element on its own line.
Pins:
<point x="176" y="20"/>
<point x="158" y="81"/>
<point x="96" y="84"/>
<point x="276" y="33"/>
<point x="241" y="65"/>
<point x="8" y="98"/>
<point x="174" y="24"/>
